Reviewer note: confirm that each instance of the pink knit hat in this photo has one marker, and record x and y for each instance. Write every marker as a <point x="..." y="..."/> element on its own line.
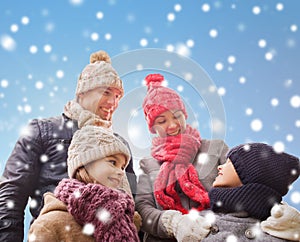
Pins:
<point x="99" y="73"/>
<point x="160" y="99"/>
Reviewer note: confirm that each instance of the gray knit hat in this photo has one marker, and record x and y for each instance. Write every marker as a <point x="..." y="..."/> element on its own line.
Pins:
<point x="91" y="143"/>
<point x="99" y="73"/>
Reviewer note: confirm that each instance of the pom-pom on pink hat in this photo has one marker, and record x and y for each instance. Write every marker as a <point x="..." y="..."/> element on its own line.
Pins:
<point x="159" y="99"/>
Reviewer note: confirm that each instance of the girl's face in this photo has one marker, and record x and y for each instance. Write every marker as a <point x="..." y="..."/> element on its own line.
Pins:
<point x="227" y="176"/>
<point x="170" y="123"/>
<point x="108" y="171"/>
<point x="102" y="101"/>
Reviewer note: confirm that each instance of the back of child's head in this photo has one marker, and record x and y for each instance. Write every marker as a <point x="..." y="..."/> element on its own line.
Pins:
<point x="91" y="143"/>
<point x="260" y="163"/>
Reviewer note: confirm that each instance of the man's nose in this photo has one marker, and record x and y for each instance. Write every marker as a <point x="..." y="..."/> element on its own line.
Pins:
<point x="112" y="100"/>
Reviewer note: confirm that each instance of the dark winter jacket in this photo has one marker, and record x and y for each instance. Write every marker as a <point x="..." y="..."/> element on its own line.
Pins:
<point x="36" y="165"/>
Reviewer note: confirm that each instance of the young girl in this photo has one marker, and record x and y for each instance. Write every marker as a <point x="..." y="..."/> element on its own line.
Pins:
<point x="89" y="206"/>
<point x="253" y="180"/>
<point x="179" y="173"/>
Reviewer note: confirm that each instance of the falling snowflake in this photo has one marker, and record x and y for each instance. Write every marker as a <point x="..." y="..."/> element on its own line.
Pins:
<point x="231" y="238"/>
<point x="103" y="215"/>
<point x="88" y="229"/>
<point x="256" y="125"/>
<point x="202" y="158"/>
<point x="10" y="204"/>
<point x="33" y="203"/>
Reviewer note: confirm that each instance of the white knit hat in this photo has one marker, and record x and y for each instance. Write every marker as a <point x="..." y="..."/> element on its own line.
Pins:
<point x="91" y="143"/>
<point x="99" y="73"/>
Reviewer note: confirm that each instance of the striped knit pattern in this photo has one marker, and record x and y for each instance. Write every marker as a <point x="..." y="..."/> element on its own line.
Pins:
<point x="260" y="163"/>
<point x="266" y="176"/>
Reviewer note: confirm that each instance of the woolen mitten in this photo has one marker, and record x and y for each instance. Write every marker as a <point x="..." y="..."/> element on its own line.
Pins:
<point x="185" y="228"/>
<point x="283" y="223"/>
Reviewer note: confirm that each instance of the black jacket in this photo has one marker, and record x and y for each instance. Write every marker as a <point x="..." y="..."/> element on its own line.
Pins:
<point x="36" y="165"/>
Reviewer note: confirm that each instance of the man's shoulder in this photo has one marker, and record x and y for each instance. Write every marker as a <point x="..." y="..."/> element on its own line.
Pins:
<point x="48" y="120"/>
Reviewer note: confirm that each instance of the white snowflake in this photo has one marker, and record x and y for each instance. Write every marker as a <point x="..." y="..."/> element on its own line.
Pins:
<point x="103" y="215"/>
<point x="88" y="229"/>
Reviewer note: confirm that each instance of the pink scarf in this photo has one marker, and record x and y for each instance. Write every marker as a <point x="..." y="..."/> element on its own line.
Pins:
<point x="176" y="153"/>
<point x="85" y="203"/>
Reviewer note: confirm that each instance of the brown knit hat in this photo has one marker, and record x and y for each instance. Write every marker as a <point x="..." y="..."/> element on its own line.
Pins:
<point x="91" y="143"/>
<point x="99" y="73"/>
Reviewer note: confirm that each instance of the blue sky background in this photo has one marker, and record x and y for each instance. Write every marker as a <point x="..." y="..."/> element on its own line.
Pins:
<point x="248" y="48"/>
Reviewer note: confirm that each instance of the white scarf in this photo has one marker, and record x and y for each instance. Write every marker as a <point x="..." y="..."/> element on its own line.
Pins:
<point x="73" y="110"/>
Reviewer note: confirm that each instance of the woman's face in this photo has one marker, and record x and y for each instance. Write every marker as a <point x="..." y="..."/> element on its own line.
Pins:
<point x="108" y="171"/>
<point x="227" y="176"/>
<point x="170" y="123"/>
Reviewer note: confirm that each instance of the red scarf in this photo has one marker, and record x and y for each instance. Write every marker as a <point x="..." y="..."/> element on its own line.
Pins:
<point x="176" y="153"/>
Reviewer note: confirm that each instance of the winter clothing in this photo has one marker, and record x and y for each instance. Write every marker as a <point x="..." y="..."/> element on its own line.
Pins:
<point x="260" y="163"/>
<point x="55" y="223"/>
<point x="92" y="143"/>
<point x="159" y="99"/>
<point x="238" y="226"/>
<point x="284" y="222"/>
<point x="36" y="165"/>
<point x="38" y="161"/>
<point x="108" y="210"/>
<point x="185" y="228"/>
<point x="99" y="73"/>
<point x="84" y="117"/>
<point x="265" y="175"/>
<point x="210" y="154"/>
<point x="176" y="154"/>
<point x="256" y="199"/>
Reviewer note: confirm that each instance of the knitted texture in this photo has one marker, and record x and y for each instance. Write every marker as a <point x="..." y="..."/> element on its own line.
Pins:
<point x="266" y="176"/>
<point x="99" y="73"/>
<point x="284" y="222"/>
<point x="109" y="211"/>
<point x="91" y="143"/>
<point x="159" y="99"/>
<point x="256" y="199"/>
<point x="84" y="117"/>
<point x="260" y="163"/>
<point x="176" y="154"/>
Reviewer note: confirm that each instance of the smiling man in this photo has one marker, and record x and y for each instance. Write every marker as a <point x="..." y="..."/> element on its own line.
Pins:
<point x="39" y="160"/>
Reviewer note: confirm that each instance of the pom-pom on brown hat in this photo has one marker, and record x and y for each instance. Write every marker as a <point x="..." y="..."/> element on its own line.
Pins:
<point x="99" y="73"/>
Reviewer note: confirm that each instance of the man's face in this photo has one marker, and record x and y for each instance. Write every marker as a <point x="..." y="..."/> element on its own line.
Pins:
<point x="102" y="101"/>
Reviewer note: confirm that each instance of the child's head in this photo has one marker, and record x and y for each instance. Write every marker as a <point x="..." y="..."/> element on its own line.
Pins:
<point x="161" y="101"/>
<point x="97" y="155"/>
<point x="259" y="163"/>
